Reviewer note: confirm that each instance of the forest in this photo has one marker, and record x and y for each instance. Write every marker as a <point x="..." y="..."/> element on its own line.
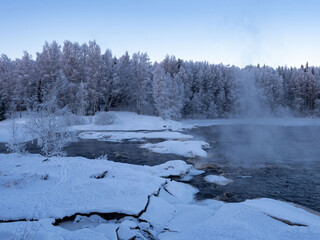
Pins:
<point x="83" y="80"/>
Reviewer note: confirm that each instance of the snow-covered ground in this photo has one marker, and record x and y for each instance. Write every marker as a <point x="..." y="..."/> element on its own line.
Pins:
<point x="60" y="187"/>
<point x="120" y="136"/>
<point x="33" y="187"/>
<point x="130" y="121"/>
<point x="183" y="148"/>
<point x="124" y="121"/>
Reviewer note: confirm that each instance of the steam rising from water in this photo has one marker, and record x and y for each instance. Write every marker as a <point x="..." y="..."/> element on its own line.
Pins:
<point x="252" y="101"/>
<point x="250" y="145"/>
<point x="260" y="138"/>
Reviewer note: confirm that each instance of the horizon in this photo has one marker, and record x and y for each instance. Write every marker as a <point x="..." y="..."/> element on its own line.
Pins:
<point x="34" y="55"/>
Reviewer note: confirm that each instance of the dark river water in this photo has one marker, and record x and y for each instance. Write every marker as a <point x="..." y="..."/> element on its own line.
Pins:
<point x="263" y="161"/>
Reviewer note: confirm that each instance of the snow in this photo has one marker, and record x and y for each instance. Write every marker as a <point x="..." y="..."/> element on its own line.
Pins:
<point x="171" y="212"/>
<point x="5" y="134"/>
<point x="31" y="188"/>
<point x="69" y="188"/>
<point x="43" y="229"/>
<point x="4" y="131"/>
<point x="83" y="222"/>
<point x="159" y="212"/>
<point x="173" y="168"/>
<point x="120" y="136"/>
<point x="220" y="180"/>
<point x="284" y="210"/>
<point x="125" y="233"/>
<point x="183" y="148"/>
<point x="130" y="121"/>
<point x="130" y="223"/>
<point x="176" y="192"/>
<point x="230" y="221"/>
<point x="124" y="121"/>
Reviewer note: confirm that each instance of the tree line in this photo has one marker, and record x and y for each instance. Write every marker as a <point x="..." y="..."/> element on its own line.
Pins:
<point x="83" y="80"/>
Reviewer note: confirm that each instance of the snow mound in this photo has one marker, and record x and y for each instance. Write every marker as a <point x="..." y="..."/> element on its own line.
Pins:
<point x="120" y="136"/>
<point x="172" y="168"/>
<point x="183" y="148"/>
<point x="220" y="180"/>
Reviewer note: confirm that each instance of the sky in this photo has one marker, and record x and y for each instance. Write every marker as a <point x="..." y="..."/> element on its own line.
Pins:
<point x="235" y="32"/>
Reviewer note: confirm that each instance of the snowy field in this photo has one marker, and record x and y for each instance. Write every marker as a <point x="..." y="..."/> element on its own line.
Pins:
<point x="77" y="198"/>
<point x="45" y="190"/>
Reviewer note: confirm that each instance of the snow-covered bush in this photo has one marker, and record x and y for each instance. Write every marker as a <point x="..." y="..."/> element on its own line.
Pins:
<point x="17" y="141"/>
<point x="104" y="118"/>
<point x="47" y="128"/>
<point x="72" y="119"/>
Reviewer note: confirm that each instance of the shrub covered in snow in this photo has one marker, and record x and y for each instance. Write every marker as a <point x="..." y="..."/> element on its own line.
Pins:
<point x="104" y="118"/>
<point x="46" y="126"/>
<point x="72" y="119"/>
<point x="16" y="143"/>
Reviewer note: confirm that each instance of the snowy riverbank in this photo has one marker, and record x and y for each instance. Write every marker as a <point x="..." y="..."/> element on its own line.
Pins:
<point x="45" y="190"/>
<point x="78" y="198"/>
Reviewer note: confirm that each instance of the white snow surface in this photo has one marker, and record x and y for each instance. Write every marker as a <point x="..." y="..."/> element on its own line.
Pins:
<point x="173" y="212"/>
<point x="124" y="121"/>
<point x="220" y="180"/>
<point x="120" y="136"/>
<point x="130" y="121"/>
<point x="5" y="134"/>
<point x="183" y="148"/>
<point x="172" y="168"/>
<point x="71" y="187"/>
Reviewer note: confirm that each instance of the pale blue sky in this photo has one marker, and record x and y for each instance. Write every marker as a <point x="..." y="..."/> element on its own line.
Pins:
<point x="238" y="32"/>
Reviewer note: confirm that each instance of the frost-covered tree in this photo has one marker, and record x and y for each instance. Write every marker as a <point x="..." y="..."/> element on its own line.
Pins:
<point x="123" y="82"/>
<point x="271" y="82"/>
<point x="26" y="86"/>
<point x="109" y="83"/>
<point x="7" y="86"/>
<point x="93" y="76"/>
<point x="168" y="94"/>
<point x="73" y="66"/>
<point x="48" y="66"/>
<point x="141" y="78"/>
<point x="85" y="81"/>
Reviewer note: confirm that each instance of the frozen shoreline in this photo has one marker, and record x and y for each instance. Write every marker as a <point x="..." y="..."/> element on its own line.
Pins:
<point x="82" y="186"/>
<point x="33" y="187"/>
